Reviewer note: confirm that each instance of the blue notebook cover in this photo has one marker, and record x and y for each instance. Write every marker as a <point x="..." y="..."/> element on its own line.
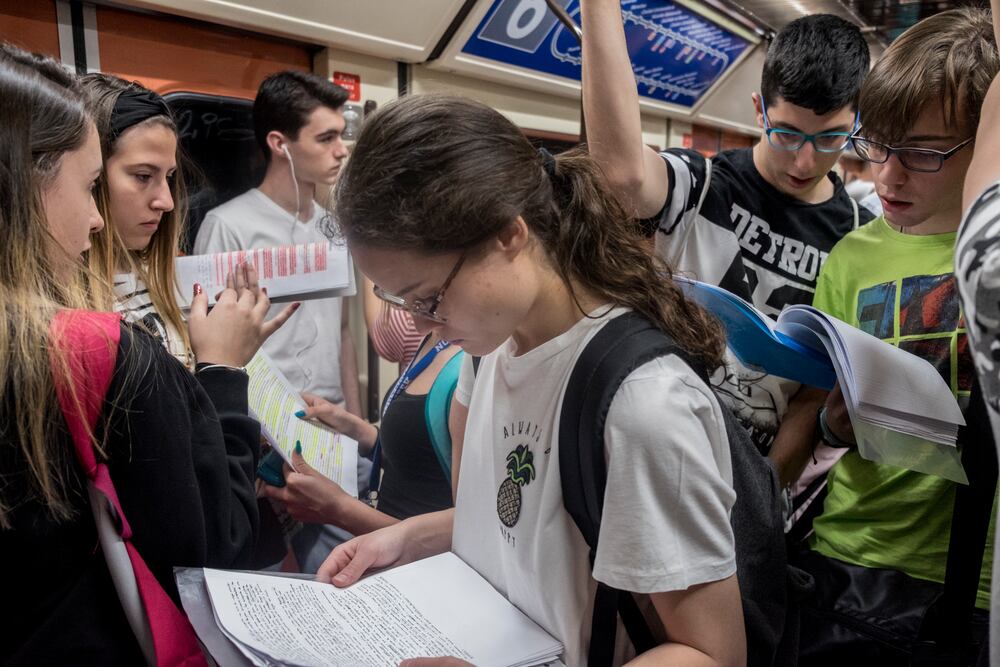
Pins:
<point x="755" y="344"/>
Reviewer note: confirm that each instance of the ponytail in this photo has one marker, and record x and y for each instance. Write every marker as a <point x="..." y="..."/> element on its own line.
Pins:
<point x="599" y="246"/>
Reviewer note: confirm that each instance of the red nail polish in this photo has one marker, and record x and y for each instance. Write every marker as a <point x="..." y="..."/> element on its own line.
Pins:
<point x="296" y="305"/>
<point x="197" y="289"/>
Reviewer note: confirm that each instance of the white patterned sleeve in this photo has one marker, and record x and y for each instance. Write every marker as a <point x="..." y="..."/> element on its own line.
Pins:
<point x="977" y="266"/>
<point x="689" y="175"/>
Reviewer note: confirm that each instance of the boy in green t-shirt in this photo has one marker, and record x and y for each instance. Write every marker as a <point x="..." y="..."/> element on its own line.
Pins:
<point x="894" y="279"/>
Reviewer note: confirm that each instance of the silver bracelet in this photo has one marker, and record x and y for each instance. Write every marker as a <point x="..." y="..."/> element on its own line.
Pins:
<point x="238" y="369"/>
<point x="828" y="436"/>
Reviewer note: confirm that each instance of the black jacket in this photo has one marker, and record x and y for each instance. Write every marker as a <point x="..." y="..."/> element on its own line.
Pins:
<point x="182" y="453"/>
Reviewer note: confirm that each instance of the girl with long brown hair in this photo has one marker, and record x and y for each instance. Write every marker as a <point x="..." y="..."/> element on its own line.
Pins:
<point x="521" y="258"/>
<point x="142" y="197"/>
<point x="179" y="447"/>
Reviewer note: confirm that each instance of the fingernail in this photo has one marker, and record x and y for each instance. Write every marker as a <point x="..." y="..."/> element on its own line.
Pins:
<point x="301" y="414"/>
<point x="197" y="289"/>
<point x="298" y="448"/>
<point x="296" y="305"/>
<point x="264" y="290"/>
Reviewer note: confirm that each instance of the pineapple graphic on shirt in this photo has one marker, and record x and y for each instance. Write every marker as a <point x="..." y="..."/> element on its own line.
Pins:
<point x="520" y="472"/>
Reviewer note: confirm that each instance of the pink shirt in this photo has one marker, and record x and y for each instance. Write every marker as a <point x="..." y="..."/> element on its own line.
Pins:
<point x="394" y="336"/>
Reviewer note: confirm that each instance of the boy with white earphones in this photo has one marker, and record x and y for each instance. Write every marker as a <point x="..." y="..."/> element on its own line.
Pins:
<point x="298" y="125"/>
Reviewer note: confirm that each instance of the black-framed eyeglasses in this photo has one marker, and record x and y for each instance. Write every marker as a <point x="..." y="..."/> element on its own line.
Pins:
<point x="926" y="160"/>
<point x="422" y="307"/>
<point x="792" y="140"/>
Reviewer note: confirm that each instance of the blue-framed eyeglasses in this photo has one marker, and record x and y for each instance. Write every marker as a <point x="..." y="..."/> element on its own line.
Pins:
<point x="791" y="140"/>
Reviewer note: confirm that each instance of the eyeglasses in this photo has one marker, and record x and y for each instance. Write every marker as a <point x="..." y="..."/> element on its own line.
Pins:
<point x="424" y="307"/>
<point x="791" y="140"/>
<point x="925" y="160"/>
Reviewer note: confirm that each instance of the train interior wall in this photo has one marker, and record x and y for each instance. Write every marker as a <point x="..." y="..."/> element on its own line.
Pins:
<point x="174" y="54"/>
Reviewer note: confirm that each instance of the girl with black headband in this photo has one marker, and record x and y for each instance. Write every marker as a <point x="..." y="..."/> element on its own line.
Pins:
<point x="142" y="198"/>
<point x="524" y="258"/>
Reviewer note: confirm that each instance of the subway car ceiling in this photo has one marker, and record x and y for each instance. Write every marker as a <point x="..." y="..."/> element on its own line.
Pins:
<point x="697" y="61"/>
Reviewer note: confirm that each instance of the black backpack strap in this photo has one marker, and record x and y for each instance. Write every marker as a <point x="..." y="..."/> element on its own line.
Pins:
<point x="949" y="621"/>
<point x="621" y="346"/>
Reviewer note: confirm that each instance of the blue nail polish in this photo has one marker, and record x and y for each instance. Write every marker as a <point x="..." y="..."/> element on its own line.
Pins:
<point x="298" y="448"/>
<point x="300" y="414"/>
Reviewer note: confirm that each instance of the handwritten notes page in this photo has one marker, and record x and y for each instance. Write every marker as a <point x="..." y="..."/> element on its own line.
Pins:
<point x="308" y="271"/>
<point x="274" y="402"/>
<point x="434" y="607"/>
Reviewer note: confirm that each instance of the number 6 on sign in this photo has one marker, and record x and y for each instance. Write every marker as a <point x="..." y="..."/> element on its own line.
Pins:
<point x="534" y="9"/>
<point x="520" y="24"/>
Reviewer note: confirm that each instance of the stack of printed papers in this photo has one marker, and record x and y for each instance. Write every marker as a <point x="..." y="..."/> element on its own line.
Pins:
<point x="902" y="410"/>
<point x="431" y="608"/>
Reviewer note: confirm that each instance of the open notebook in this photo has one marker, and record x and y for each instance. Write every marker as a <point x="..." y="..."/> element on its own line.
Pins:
<point x="902" y="410"/>
<point x="435" y="607"/>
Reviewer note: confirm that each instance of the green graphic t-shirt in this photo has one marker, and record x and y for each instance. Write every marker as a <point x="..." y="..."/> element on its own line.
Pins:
<point x="900" y="288"/>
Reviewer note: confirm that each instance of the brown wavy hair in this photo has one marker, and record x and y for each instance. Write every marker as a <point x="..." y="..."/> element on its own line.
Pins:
<point x="437" y="173"/>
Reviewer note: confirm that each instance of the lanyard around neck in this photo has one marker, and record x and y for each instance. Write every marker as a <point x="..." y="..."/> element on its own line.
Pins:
<point x="415" y="368"/>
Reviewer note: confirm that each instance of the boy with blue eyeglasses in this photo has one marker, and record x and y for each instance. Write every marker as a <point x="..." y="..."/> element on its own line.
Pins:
<point x="759" y="222"/>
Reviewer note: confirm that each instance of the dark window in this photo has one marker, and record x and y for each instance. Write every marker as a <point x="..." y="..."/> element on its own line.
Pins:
<point x="216" y="135"/>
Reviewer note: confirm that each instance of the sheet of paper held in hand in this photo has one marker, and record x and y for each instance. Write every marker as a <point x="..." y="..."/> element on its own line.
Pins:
<point x="438" y="606"/>
<point x="274" y="402"/>
<point x="290" y="273"/>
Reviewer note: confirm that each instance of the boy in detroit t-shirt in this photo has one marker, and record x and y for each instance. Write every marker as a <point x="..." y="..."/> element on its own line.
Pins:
<point x="759" y="222"/>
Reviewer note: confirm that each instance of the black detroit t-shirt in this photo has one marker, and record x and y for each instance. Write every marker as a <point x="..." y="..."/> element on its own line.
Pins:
<point x="724" y="224"/>
<point x="769" y="246"/>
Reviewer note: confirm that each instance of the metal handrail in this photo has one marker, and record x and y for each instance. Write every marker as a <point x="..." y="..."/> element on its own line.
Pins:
<point x="565" y="19"/>
<point x="572" y="26"/>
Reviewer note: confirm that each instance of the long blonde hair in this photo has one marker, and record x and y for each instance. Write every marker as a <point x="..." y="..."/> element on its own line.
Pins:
<point x="42" y="117"/>
<point x="154" y="264"/>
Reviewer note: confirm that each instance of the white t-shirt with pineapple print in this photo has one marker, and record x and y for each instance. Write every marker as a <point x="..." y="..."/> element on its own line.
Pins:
<point x="669" y="493"/>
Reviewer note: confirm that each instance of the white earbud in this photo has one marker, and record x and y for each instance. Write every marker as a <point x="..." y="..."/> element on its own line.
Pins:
<point x="295" y="182"/>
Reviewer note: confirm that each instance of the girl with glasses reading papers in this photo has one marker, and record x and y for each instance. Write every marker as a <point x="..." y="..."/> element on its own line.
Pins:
<point x="523" y="258"/>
